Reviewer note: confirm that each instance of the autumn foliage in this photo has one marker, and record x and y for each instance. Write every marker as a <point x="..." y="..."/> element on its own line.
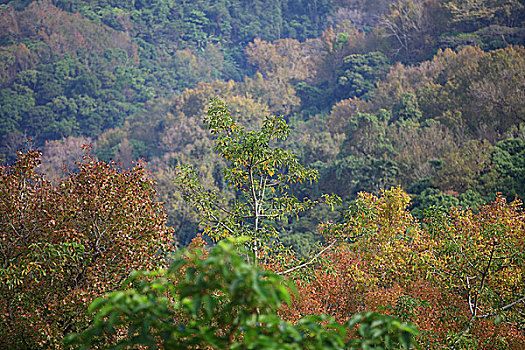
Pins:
<point x="61" y="246"/>
<point x="457" y="275"/>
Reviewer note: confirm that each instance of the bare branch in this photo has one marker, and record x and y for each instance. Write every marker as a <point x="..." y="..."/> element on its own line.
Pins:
<point x="307" y="263"/>
<point x="508" y="306"/>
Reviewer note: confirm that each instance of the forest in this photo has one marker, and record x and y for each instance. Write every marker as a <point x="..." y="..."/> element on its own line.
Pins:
<point x="292" y="174"/>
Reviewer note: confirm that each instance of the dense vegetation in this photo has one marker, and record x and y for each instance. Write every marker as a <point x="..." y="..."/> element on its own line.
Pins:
<point x="379" y="95"/>
<point x="423" y="94"/>
<point x="63" y="245"/>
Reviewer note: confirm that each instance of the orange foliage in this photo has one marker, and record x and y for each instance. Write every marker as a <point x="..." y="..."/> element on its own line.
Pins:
<point x="434" y="275"/>
<point x="64" y="245"/>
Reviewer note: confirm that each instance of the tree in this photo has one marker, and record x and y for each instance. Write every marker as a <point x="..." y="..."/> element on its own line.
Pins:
<point x="220" y="301"/>
<point x="13" y="106"/>
<point x="359" y="74"/>
<point x="499" y="93"/>
<point x="458" y="275"/>
<point x="416" y="147"/>
<point x="479" y="256"/>
<point x="467" y="167"/>
<point x="509" y="156"/>
<point x="281" y="64"/>
<point x="61" y="157"/>
<point x="412" y="28"/>
<point x="469" y="15"/>
<point x="384" y="237"/>
<point x="404" y="25"/>
<point x="61" y="246"/>
<point x="479" y="92"/>
<point x="257" y="171"/>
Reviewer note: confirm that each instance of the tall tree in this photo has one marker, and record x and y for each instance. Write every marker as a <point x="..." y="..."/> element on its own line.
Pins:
<point x="257" y="171"/>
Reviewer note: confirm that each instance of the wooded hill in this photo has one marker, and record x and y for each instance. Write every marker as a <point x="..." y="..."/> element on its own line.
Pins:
<point x="424" y="94"/>
<point x="412" y="112"/>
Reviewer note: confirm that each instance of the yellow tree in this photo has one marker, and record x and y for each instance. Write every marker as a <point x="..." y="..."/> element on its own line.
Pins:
<point x="385" y="237"/>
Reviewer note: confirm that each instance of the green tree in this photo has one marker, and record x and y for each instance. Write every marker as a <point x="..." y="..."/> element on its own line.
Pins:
<point x="406" y="109"/>
<point x="258" y="171"/>
<point x="509" y="159"/>
<point x="13" y="105"/>
<point x="359" y="74"/>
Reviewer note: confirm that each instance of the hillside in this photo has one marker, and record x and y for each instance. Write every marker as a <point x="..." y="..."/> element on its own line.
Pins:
<point x="428" y="94"/>
<point x="347" y="174"/>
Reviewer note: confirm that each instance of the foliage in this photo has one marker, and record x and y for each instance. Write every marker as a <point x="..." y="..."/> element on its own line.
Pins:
<point x="104" y="67"/>
<point x="480" y="256"/>
<point x="509" y="157"/>
<point x="71" y="74"/>
<point x="432" y="100"/>
<point x="359" y="73"/>
<point x="468" y="16"/>
<point x="385" y="237"/>
<point x="459" y="89"/>
<point x="465" y="168"/>
<point x="259" y="172"/>
<point x="457" y="275"/>
<point x="64" y="245"/>
<point x="222" y="302"/>
<point x="281" y="64"/>
<point x="410" y="29"/>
